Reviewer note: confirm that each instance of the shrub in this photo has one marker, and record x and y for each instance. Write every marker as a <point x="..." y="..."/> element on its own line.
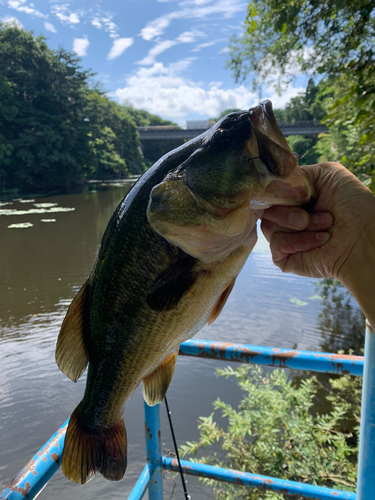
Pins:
<point x="276" y="432"/>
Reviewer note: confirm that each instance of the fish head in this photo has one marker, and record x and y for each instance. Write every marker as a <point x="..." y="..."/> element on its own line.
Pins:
<point x="209" y="204"/>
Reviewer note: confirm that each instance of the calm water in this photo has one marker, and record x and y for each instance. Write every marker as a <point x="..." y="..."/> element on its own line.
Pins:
<point x="42" y="267"/>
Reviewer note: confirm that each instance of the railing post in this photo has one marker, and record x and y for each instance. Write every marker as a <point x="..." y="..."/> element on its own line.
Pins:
<point x="153" y="451"/>
<point x="366" y="460"/>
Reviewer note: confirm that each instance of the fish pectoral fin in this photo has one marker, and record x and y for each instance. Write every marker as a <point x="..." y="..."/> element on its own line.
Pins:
<point x="168" y="288"/>
<point x="155" y="386"/>
<point x="71" y="353"/>
<point x="89" y="450"/>
<point x="221" y="303"/>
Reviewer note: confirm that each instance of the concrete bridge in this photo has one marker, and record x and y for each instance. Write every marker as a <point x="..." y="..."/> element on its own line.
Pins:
<point x="168" y="132"/>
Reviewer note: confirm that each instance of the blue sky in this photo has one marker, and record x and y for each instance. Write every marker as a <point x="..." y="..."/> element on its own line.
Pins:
<point x="165" y="56"/>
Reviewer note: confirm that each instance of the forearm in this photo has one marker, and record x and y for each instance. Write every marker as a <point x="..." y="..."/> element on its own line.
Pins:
<point x="360" y="278"/>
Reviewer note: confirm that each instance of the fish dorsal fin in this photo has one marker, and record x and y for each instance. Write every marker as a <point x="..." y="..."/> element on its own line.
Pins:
<point x="168" y="288"/>
<point x="71" y="353"/>
<point x="221" y="302"/>
<point x="155" y="386"/>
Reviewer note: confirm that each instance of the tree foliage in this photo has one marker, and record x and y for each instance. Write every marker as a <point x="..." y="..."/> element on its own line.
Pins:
<point x="42" y="127"/>
<point x="328" y="36"/>
<point x="277" y="432"/>
<point x="56" y="130"/>
<point x="113" y="138"/>
<point x="332" y="39"/>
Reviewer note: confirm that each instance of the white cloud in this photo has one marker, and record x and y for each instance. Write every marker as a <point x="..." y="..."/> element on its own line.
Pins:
<point x="195" y="9"/>
<point x="12" y="21"/>
<point x="63" y="13"/>
<point x="80" y="46"/>
<point x="95" y="22"/>
<point x="119" y="46"/>
<point x="20" y="6"/>
<point x="155" y="51"/>
<point x="156" y="28"/>
<point x="203" y="45"/>
<point x="50" y="27"/>
<point x="163" y="90"/>
<point x="105" y="22"/>
<point x="189" y="36"/>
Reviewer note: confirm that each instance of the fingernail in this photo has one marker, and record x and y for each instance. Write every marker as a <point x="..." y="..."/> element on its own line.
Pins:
<point x="298" y="219"/>
<point x="322" y="219"/>
<point x="322" y="236"/>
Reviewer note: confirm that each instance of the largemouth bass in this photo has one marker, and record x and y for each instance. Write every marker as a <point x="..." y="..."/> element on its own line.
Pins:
<point x="166" y="266"/>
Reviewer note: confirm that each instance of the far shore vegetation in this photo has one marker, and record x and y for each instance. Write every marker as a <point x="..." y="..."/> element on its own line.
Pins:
<point x="59" y="129"/>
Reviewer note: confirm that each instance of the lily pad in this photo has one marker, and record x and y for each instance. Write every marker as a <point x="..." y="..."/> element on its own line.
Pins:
<point x="9" y="211"/>
<point x="44" y="205"/>
<point x="315" y="297"/>
<point x="21" y="225"/>
<point x="298" y="302"/>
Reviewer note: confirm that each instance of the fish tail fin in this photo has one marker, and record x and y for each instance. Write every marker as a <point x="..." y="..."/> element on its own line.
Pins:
<point x="87" y="451"/>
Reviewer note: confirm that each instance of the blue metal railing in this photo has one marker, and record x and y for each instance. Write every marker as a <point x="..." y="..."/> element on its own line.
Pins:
<point x="38" y="471"/>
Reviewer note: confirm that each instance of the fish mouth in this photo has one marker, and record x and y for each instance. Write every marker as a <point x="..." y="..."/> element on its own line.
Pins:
<point x="282" y="180"/>
<point x="267" y="143"/>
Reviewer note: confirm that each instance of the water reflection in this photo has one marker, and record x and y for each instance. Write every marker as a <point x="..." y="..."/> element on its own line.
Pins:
<point x="341" y="322"/>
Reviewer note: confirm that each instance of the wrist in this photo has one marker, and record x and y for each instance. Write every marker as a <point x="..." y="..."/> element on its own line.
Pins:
<point x="358" y="273"/>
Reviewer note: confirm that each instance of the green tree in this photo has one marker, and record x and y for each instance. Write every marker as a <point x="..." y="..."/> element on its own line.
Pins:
<point x="306" y="106"/>
<point x="43" y="132"/>
<point x="114" y="139"/>
<point x="328" y="36"/>
<point x="56" y="131"/>
<point x="333" y="39"/>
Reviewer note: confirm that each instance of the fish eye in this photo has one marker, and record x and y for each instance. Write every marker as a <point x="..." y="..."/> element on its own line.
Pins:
<point x="223" y="138"/>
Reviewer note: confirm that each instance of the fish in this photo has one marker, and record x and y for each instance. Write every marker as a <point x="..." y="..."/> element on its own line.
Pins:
<point x="167" y="263"/>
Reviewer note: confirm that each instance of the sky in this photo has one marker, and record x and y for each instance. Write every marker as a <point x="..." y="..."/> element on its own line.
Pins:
<point x="165" y="56"/>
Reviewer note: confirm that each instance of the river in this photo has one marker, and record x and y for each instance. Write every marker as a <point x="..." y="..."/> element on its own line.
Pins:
<point x="44" y="259"/>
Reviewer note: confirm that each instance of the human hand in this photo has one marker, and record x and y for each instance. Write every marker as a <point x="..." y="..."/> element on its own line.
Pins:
<point x="332" y="241"/>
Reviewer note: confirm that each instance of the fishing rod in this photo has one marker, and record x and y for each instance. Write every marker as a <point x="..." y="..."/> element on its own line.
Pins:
<point x="187" y="496"/>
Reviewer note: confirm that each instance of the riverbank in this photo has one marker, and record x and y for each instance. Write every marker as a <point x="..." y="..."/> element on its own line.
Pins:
<point x="14" y="194"/>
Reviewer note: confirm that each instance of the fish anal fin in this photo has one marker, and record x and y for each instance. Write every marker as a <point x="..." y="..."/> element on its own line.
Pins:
<point x="221" y="302"/>
<point x="87" y="451"/>
<point x="71" y="353"/>
<point x="156" y="384"/>
<point x="168" y="289"/>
